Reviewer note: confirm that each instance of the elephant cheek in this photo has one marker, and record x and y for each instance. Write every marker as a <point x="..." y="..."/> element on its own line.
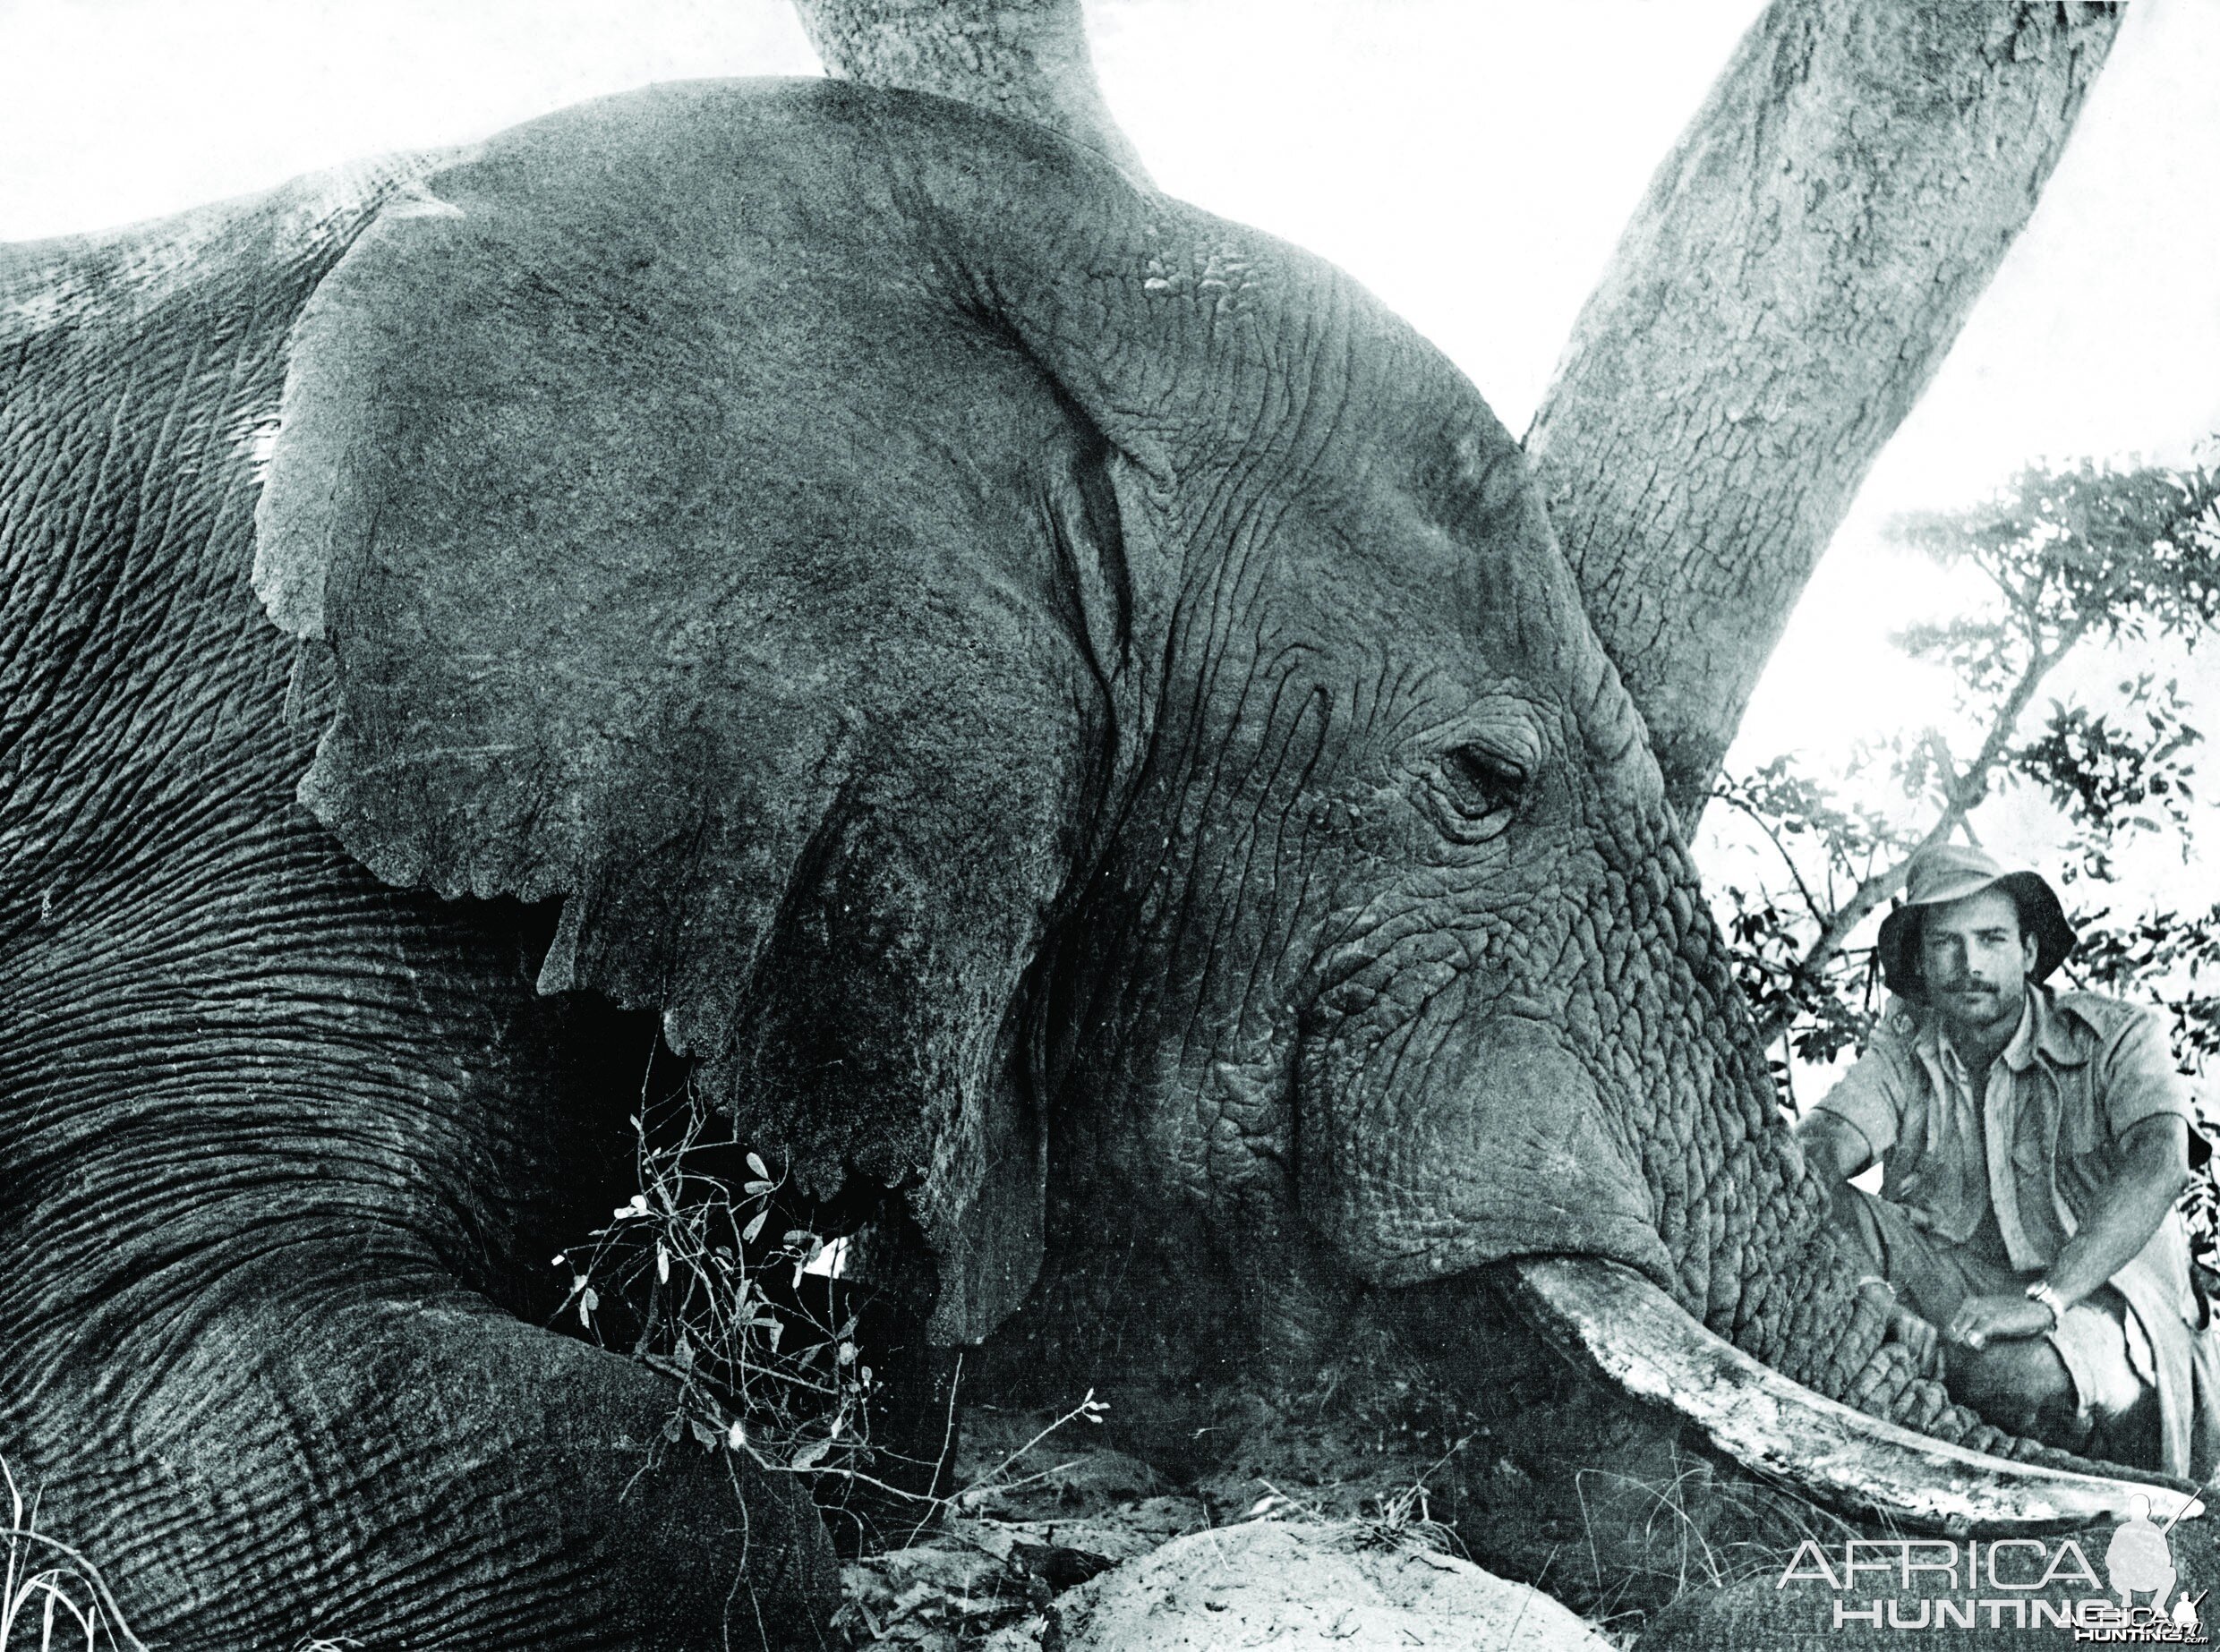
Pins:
<point x="1435" y="1149"/>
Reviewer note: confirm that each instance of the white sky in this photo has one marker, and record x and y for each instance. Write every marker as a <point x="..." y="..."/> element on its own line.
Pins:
<point x="1471" y="160"/>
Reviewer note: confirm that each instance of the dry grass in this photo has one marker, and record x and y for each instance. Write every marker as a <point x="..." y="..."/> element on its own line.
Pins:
<point x="1712" y="1529"/>
<point x="52" y="1598"/>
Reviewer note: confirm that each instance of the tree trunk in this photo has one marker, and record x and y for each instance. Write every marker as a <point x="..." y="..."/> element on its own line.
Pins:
<point x="1024" y="59"/>
<point x="1801" y="264"/>
<point x="1803" y="261"/>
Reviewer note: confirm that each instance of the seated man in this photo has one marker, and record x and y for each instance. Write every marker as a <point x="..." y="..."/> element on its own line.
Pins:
<point x="2033" y="1144"/>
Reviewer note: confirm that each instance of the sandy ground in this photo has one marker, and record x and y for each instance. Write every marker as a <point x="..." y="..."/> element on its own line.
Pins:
<point x="1063" y="1549"/>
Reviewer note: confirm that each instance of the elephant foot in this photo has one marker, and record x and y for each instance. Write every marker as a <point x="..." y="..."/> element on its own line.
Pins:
<point x="307" y="1454"/>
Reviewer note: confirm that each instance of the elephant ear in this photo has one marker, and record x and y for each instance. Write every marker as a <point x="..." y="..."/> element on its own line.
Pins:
<point x="685" y="550"/>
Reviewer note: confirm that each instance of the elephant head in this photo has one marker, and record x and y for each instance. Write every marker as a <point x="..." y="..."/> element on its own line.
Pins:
<point x="979" y="649"/>
<point x="1037" y="683"/>
<point x="1062" y="706"/>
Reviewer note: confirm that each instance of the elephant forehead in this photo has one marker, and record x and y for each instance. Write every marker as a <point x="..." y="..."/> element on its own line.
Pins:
<point x="1420" y="533"/>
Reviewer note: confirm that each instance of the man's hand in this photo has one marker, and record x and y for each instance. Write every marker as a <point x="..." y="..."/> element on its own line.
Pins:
<point x="1983" y="1320"/>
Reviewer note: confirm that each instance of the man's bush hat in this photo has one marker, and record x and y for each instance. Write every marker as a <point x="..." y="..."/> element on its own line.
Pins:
<point x="1950" y="871"/>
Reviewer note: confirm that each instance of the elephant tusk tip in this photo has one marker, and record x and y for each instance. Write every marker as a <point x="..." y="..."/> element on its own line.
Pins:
<point x="1638" y="1339"/>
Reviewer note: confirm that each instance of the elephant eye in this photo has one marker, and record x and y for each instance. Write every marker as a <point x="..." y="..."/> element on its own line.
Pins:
<point x="1481" y="787"/>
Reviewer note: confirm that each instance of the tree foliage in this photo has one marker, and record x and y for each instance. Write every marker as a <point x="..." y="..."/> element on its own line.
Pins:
<point x="2092" y="561"/>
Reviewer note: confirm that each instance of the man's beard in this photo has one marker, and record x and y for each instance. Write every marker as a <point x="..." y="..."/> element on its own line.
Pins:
<point x="1977" y="1004"/>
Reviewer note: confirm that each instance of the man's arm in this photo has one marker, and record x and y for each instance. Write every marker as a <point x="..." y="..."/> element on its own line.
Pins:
<point x="2155" y="1167"/>
<point x="1854" y="1123"/>
<point x="1837" y="1134"/>
<point x="1837" y="1148"/>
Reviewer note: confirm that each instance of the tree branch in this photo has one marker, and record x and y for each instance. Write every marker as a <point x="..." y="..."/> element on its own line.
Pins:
<point x="1869" y="895"/>
<point x="1757" y="817"/>
<point x="1802" y="263"/>
<point x="1024" y="59"/>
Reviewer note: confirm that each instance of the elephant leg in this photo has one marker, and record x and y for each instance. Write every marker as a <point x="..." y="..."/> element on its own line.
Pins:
<point x="314" y="1451"/>
<point x="285" y="1163"/>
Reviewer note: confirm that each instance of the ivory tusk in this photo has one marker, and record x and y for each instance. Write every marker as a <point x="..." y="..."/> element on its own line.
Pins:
<point x="1642" y="1341"/>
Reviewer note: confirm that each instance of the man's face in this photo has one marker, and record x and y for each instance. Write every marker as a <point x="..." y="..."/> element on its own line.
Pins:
<point x="1974" y="961"/>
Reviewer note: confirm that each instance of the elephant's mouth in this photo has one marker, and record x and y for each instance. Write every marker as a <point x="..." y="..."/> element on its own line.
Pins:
<point x="1641" y="1342"/>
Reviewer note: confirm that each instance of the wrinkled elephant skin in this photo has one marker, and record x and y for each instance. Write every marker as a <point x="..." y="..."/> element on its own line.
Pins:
<point x="1053" y="703"/>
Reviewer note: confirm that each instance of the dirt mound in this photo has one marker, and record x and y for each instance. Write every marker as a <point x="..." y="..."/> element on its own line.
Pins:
<point x="1291" y="1588"/>
<point x="1055" y="1522"/>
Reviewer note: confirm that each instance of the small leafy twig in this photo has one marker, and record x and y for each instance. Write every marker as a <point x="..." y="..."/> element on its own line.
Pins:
<point x="1087" y="1407"/>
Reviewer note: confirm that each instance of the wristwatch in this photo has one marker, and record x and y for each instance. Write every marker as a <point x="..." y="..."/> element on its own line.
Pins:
<point x="2045" y="1292"/>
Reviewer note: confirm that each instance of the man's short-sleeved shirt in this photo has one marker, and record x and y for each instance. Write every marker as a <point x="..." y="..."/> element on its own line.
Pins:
<point x="2082" y="1070"/>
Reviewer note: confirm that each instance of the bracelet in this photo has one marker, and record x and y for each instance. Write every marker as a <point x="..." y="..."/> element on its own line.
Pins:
<point x="2047" y="1293"/>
